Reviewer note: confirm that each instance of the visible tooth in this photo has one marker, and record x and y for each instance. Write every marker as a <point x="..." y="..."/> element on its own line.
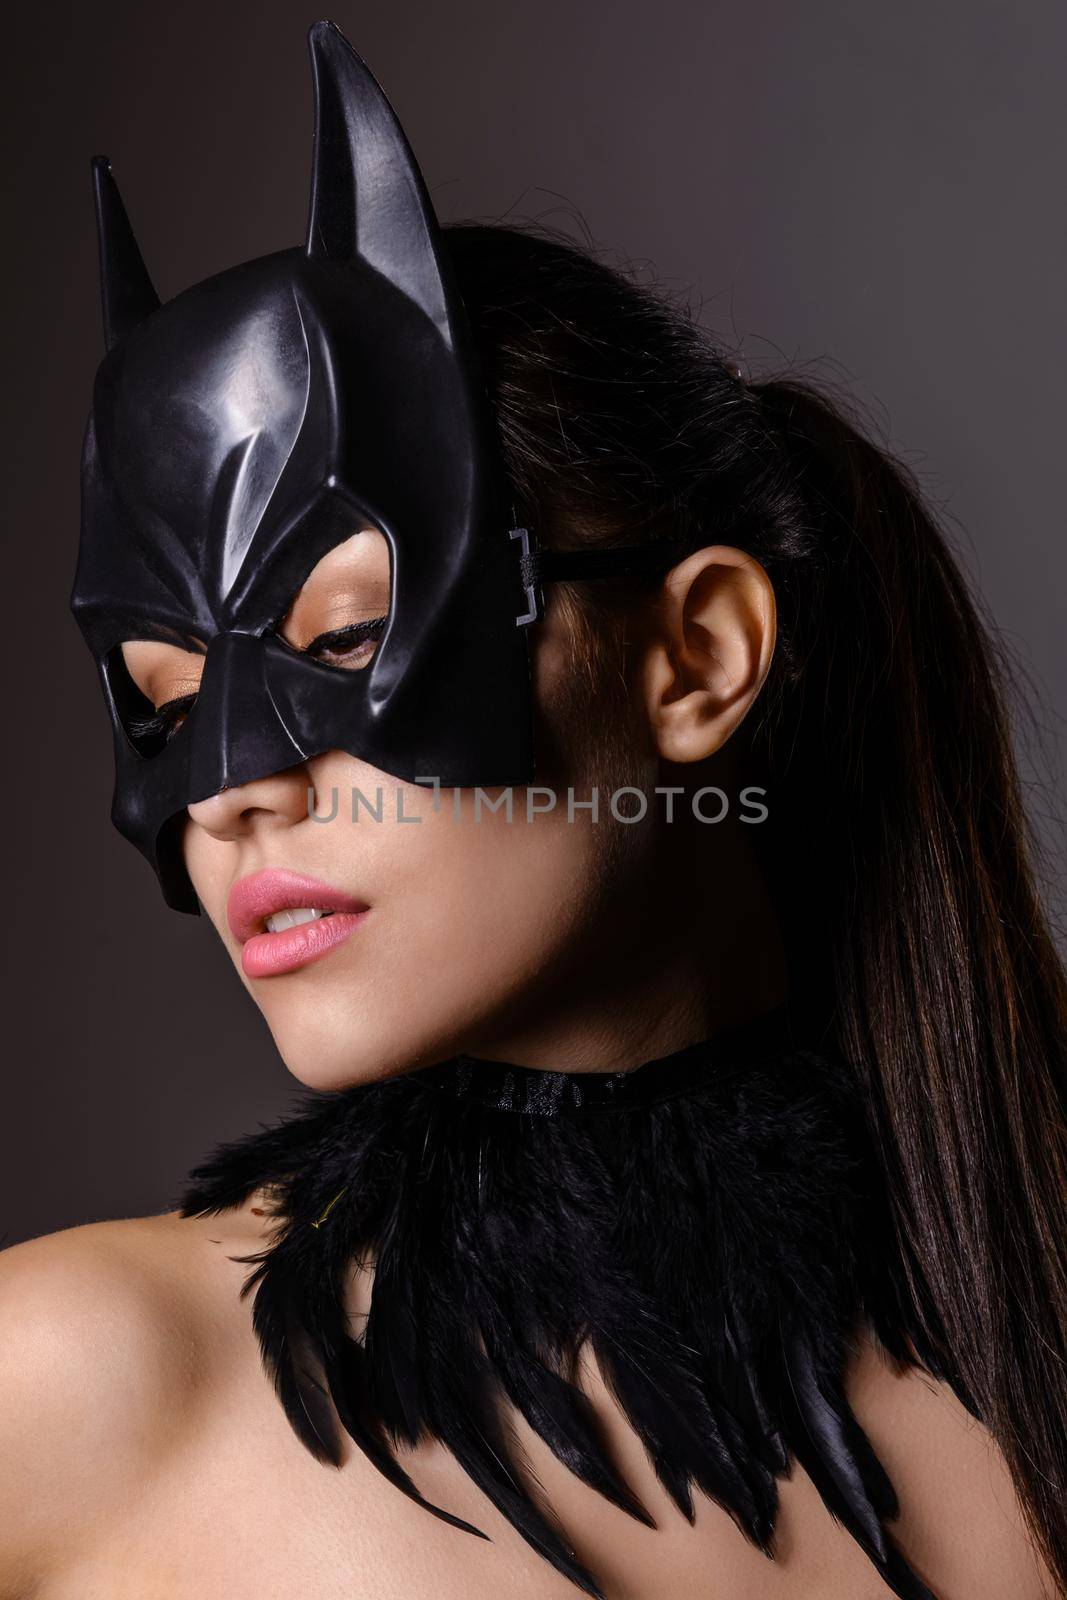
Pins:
<point x="293" y="918"/>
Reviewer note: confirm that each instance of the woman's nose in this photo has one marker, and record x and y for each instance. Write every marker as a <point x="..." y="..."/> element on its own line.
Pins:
<point x="277" y="801"/>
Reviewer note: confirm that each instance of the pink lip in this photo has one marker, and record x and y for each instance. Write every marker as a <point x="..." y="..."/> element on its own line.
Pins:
<point x="255" y="898"/>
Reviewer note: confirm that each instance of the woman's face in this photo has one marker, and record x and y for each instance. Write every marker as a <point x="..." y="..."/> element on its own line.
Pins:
<point x="445" y="920"/>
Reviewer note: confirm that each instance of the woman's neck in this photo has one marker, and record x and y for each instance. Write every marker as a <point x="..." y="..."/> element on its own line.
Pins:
<point x="703" y="952"/>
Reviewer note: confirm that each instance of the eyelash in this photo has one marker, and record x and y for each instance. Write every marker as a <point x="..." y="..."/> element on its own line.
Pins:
<point x="347" y="638"/>
<point x="163" y="721"/>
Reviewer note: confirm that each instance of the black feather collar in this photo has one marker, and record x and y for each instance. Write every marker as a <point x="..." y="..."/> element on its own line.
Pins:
<point x="710" y="1223"/>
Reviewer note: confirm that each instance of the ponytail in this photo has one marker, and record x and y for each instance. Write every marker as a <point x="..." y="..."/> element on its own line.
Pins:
<point x="901" y="832"/>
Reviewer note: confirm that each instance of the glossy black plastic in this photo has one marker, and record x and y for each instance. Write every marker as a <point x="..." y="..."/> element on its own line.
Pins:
<point x="243" y="429"/>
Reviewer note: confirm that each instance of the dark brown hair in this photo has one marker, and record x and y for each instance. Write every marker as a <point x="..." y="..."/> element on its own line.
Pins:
<point x="899" y="852"/>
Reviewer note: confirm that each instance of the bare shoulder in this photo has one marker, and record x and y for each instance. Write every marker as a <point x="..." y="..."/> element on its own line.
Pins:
<point x="110" y="1336"/>
<point x="961" y="1522"/>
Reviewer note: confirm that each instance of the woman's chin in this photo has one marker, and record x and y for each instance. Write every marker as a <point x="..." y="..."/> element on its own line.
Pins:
<point x="326" y="1061"/>
<point x="339" y="1054"/>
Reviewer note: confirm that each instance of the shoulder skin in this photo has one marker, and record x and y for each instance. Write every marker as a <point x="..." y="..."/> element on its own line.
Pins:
<point x="106" y="1339"/>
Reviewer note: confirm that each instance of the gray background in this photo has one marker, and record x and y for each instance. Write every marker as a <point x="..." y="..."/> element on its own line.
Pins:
<point x="878" y="183"/>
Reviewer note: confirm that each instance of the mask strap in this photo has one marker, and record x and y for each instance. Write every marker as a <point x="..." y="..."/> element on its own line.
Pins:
<point x="538" y="567"/>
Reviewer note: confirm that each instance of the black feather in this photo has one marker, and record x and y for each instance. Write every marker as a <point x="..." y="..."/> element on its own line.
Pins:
<point x="563" y="1417"/>
<point x="465" y="1418"/>
<point x="293" y="1362"/>
<point x="694" y="1224"/>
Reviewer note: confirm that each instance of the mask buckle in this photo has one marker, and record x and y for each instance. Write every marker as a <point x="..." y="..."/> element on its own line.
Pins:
<point x="528" y="577"/>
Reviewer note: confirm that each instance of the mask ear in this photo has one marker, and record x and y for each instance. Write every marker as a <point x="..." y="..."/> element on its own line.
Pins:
<point x="368" y="197"/>
<point x="126" y="289"/>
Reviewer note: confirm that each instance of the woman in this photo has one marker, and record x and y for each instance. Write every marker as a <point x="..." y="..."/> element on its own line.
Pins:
<point x="606" y="795"/>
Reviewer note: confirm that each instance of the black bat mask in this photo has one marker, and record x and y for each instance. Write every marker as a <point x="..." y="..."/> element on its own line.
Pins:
<point x="241" y="431"/>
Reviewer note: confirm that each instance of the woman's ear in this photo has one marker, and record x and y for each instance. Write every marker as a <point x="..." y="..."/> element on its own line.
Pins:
<point x="707" y="651"/>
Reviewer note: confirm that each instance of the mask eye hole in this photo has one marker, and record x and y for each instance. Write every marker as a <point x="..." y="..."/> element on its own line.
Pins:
<point x="340" y="612"/>
<point x="155" y="686"/>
